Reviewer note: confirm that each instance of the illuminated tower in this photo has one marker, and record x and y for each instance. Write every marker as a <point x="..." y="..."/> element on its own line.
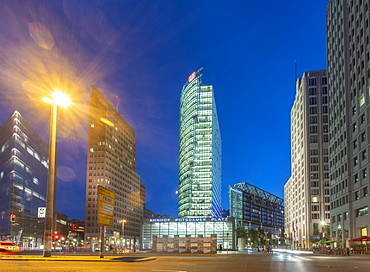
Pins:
<point x="199" y="151"/>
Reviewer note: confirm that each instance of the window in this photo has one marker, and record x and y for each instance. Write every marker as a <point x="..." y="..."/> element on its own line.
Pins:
<point x="36" y="180"/>
<point x="313" y="139"/>
<point x="313" y="119"/>
<point x="362" y="118"/>
<point x="356" y="178"/>
<point x="314" y="191"/>
<point x="355" y="161"/>
<point x="315" y="216"/>
<point x="315" y="208"/>
<point x="312" y="91"/>
<point x="314" y="168"/>
<point x="365" y="191"/>
<point x="354" y="127"/>
<point x="354" y="110"/>
<point x="325" y="100"/>
<point x="314" y="175"/>
<point x="314" y="160"/>
<point x="354" y="144"/>
<point x="364" y="155"/>
<point x="314" y="152"/>
<point x="312" y="100"/>
<point x="313" y="129"/>
<point x="339" y="217"/>
<point x="363" y="136"/>
<point x="324" y="109"/>
<point x="346" y="216"/>
<point x="324" y="81"/>
<point x="313" y="110"/>
<point x="364" y="173"/>
<point x="357" y="195"/>
<point x="312" y="82"/>
<point x="314" y="184"/>
<point x="362" y="100"/>
<point x="324" y="90"/>
<point x="362" y="211"/>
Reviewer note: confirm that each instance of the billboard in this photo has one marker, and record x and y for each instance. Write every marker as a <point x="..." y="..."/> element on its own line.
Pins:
<point x="105" y="206"/>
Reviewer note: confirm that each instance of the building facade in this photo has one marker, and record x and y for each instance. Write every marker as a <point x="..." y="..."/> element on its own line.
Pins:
<point x="199" y="151"/>
<point x="111" y="163"/>
<point x="256" y="208"/>
<point x="222" y="228"/>
<point x="23" y="182"/>
<point x="348" y="63"/>
<point x="306" y="194"/>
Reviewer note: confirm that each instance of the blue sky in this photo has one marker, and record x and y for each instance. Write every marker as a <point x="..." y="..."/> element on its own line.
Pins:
<point x="143" y="52"/>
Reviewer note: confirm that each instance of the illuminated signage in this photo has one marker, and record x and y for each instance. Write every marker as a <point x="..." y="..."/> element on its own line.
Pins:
<point x="191" y="77"/>
<point x="190" y="219"/>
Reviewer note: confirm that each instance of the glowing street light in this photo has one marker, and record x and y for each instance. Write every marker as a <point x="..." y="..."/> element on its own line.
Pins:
<point x="57" y="99"/>
<point x="123" y="221"/>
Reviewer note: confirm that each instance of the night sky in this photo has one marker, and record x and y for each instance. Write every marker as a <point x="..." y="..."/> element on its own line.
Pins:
<point x="143" y="51"/>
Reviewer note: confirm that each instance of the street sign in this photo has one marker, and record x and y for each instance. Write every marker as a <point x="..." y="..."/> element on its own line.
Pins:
<point x="105" y="206"/>
<point x="41" y="212"/>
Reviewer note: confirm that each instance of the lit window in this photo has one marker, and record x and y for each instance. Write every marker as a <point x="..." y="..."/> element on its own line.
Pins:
<point x="364" y="173"/>
<point x="362" y="100"/>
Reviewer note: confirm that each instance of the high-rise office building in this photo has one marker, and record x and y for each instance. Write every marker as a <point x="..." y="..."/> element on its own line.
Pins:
<point x="23" y="182"/>
<point x="306" y="194"/>
<point x="348" y="60"/>
<point x="199" y="151"/>
<point x="111" y="163"/>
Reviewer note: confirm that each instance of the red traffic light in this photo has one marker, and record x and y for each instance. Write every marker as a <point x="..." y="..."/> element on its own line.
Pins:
<point x="56" y="237"/>
<point x="12" y="217"/>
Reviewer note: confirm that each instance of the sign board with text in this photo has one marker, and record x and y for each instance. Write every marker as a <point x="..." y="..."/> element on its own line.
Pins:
<point x="41" y="212"/>
<point x="105" y="206"/>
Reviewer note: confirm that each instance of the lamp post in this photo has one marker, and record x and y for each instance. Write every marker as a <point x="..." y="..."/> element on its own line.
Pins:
<point x="123" y="221"/>
<point x="58" y="98"/>
<point x="323" y="229"/>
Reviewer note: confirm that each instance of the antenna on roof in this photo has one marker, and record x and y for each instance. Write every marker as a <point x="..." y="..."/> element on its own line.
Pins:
<point x="295" y="71"/>
<point x="117" y="103"/>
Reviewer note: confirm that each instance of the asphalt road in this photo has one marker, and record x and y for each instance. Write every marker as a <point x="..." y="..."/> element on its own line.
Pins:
<point x="259" y="262"/>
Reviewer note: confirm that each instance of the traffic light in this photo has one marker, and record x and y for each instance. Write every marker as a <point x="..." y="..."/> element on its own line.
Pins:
<point x="12" y="218"/>
<point x="56" y="237"/>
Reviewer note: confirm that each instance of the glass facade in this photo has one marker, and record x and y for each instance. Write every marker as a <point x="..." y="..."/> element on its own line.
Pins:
<point x="223" y="227"/>
<point x="23" y="181"/>
<point x="256" y="207"/>
<point x="199" y="152"/>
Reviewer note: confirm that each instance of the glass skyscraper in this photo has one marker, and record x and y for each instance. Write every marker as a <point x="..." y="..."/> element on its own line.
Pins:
<point x="23" y="181"/>
<point x="199" y="151"/>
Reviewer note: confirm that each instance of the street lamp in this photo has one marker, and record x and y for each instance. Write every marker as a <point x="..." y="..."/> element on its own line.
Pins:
<point x="323" y="225"/>
<point x="123" y="221"/>
<point x="57" y="99"/>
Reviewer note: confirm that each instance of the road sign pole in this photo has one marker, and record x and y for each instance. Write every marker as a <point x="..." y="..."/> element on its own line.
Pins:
<point x="102" y="241"/>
